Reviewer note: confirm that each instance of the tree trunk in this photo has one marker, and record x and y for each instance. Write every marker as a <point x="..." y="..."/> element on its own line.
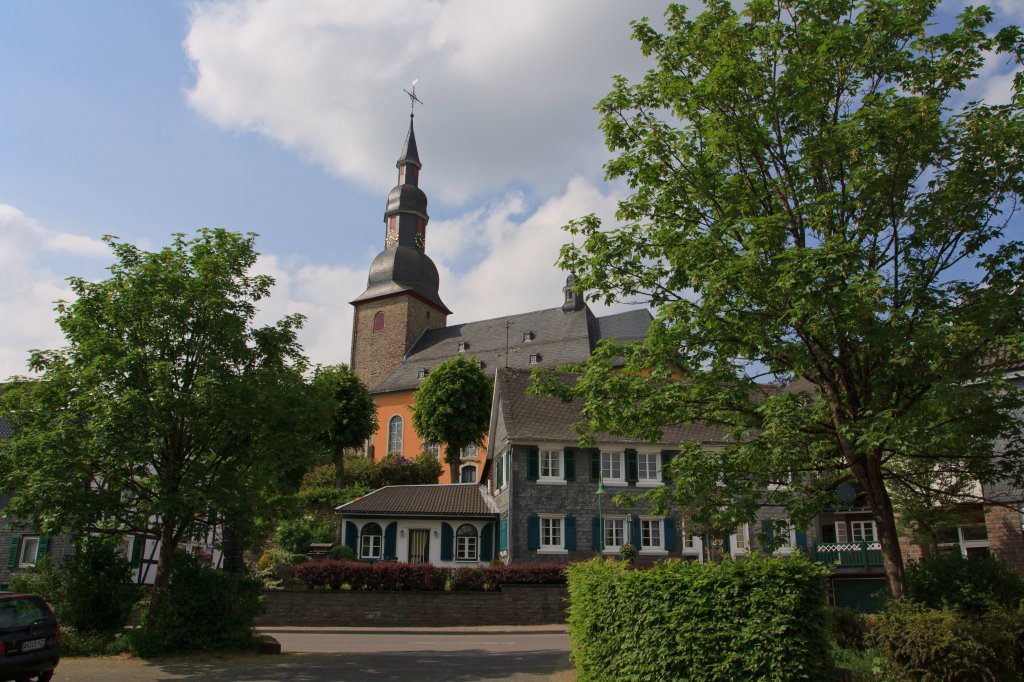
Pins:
<point x="868" y="470"/>
<point x="168" y="544"/>
<point x="339" y="467"/>
<point x="232" y="548"/>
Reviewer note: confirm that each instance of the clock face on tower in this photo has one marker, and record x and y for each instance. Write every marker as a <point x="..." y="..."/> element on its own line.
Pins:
<point x="391" y="238"/>
<point x="421" y="241"/>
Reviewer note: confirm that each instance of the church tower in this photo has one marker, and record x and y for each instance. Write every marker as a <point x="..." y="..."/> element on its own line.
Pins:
<point x="401" y="299"/>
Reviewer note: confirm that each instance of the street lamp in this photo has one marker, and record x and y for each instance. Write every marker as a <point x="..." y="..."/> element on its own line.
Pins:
<point x="600" y="516"/>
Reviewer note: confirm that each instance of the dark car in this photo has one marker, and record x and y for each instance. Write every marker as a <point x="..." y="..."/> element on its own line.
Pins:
<point x="29" y="638"/>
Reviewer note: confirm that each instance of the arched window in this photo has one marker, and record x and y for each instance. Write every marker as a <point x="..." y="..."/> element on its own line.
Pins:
<point x="465" y="543"/>
<point x="371" y="542"/>
<point x="378" y="321"/>
<point x="469" y="474"/>
<point x="395" y="428"/>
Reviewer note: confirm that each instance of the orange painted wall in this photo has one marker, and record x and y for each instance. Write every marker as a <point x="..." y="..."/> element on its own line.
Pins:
<point x="400" y="403"/>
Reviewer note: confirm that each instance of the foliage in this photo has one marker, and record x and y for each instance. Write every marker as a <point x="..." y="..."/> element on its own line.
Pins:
<point x="813" y="202"/>
<point x="343" y="553"/>
<point x="295" y="535"/>
<point x="928" y="645"/>
<point x="168" y="409"/>
<point x="849" y="628"/>
<point x="453" y="406"/>
<point x="403" y="577"/>
<point x="392" y="469"/>
<point x="202" y="610"/>
<point x="355" y="414"/>
<point x="750" y="619"/>
<point x="75" y="643"/>
<point x="972" y="585"/>
<point x="628" y="552"/>
<point x="317" y="486"/>
<point x="276" y="566"/>
<point x="91" y="591"/>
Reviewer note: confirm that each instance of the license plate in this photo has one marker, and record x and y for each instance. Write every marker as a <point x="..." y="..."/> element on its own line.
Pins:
<point x="33" y="644"/>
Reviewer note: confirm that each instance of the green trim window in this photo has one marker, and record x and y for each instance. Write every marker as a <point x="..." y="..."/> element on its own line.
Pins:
<point x="648" y="466"/>
<point x="652" y="535"/>
<point x="613" y="470"/>
<point x="371" y="541"/>
<point x="551" y="465"/>
<point x="552" y="533"/>
<point x="614" y="533"/>
<point x="466" y="543"/>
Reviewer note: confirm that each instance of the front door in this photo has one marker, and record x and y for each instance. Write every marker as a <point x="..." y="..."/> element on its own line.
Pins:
<point x="419" y="546"/>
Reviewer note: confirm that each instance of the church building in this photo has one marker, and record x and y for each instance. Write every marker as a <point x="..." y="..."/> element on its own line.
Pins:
<point x="400" y="330"/>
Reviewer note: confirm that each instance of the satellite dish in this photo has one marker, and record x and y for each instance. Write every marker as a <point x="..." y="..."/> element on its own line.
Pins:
<point x="846" y="493"/>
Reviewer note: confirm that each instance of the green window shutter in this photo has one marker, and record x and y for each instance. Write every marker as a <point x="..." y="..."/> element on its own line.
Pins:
<point x="12" y="554"/>
<point x="498" y="466"/>
<point x="767" y="529"/>
<point x="138" y="543"/>
<point x="570" y="532"/>
<point x="666" y="457"/>
<point x="634" y="530"/>
<point x="670" y="534"/>
<point x="595" y="464"/>
<point x="44" y="545"/>
<point x="503" y="534"/>
<point x="391" y="541"/>
<point x="533" y="532"/>
<point x="632" y="471"/>
<point x="533" y="463"/>
<point x="447" y="542"/>
<point x="726" y="549"/>
<point x="487" y="542"/>
<point x="569" y="463"/>
<point x="595" y="532"/>
<point x="801" y="540"/>
<point x="352" y="537"/>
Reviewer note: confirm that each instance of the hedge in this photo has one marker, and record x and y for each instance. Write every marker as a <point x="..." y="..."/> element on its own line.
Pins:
<point x="749" y="619"/>
<point x="422" y="577"/>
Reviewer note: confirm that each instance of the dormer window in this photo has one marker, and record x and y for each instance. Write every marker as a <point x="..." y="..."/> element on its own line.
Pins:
<point x="463" y="346"/>
<point x="534" y="358"/>
<point x="481" y="364"/>
<point x="528" y="336"/>
<point x="422" y="373"/>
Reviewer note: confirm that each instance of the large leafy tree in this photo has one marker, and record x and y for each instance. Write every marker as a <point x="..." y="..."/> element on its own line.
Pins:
<point x="355" y="414"/>
<point x="813" y="202"/>
<point x="453" y="406"/>
<point x="169" y="410"/>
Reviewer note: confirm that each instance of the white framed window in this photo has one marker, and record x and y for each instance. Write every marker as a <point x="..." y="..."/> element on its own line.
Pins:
<point x="551" y="465"/>
<point x="614" y="533"/>
<point x="862" y="531"/>
<point x="689" y="542"/>
<point x="613" y="469"/>
<point x="652" y="535"/>
<point x="466" y="543"/>
<point x="740" y="540"/>
<point x="29" y="552"/>
<point x="433" y="449"/>
<point x="552" y="533"/>
<point x="786" y="537"/>
<point x="648" y="468"/>
<point x="463" y="346"/>
<point x="371" y="542"/>
<point x="469" y="452"/>
<point x="468" y="474"/>
<point x="396" y="428"/>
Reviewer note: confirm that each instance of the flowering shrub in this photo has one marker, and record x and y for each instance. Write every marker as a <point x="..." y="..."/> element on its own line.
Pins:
<point x="423" y="577"/>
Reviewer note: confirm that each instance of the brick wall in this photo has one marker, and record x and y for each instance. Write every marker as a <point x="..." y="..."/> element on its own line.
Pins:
<point x="1006" y="541"/>
<point x="376" y="354"/>
<point x="512" y="605"/>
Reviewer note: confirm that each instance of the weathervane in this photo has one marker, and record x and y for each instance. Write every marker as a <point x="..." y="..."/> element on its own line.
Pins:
<point x="412" y="97"/>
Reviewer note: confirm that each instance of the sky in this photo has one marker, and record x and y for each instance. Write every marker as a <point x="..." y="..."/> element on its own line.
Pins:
<point x="285" y="118"/>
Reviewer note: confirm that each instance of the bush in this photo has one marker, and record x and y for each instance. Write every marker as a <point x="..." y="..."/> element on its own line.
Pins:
<point x="849" y="628"/>
<point x="404" y="577"/>
<point x="393" y="469"/>
<point x="202" y="609"/>
<point x="971" y="585"/>
<point x="343" y="553"/>
<point x="930" y="645"/>
<point x="750" y="619"/>
<point x="296" y="535"/>
<point x="91" y="591"/>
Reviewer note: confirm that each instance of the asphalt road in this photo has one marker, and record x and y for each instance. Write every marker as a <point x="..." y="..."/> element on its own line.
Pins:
<point x="520" y="654"/>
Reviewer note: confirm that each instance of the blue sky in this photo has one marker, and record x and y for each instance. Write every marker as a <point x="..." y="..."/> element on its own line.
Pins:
<point x="285" y="117"/>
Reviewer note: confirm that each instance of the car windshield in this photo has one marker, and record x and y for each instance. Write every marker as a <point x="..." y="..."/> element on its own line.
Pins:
<point x="21" y="612"/>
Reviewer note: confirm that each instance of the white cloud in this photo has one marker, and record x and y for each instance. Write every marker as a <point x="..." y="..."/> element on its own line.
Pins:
<point x="509" y="85"/>
<point x="31" y="286"/>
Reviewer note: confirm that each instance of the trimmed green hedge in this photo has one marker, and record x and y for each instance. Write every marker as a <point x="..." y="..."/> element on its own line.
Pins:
<point x="749" y="619"/>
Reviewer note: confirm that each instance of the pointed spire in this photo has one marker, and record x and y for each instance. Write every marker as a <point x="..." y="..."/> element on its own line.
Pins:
<point x="410" y="154"/>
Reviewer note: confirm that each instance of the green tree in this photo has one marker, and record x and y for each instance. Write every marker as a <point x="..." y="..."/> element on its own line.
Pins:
<point x="813" y="201"/>
<point x="453" y="406"/>
<point x="355" y="414"/>
<point x="168" y="411"/>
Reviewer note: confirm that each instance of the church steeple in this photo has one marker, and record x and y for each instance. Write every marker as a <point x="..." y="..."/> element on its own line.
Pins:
<point x="406" y="214"/>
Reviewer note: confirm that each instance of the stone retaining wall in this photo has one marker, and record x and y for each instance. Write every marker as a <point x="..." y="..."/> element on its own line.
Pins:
<point x="512" y="605"/>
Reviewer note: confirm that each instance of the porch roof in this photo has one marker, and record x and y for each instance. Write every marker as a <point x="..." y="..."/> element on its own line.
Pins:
<point x="432" y="500"/>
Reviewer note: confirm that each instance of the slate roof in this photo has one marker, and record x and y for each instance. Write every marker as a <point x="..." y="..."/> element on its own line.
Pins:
<point x="432" y="500"/>
<point x="559" y="338"/>
<point x="536" y="418"/>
